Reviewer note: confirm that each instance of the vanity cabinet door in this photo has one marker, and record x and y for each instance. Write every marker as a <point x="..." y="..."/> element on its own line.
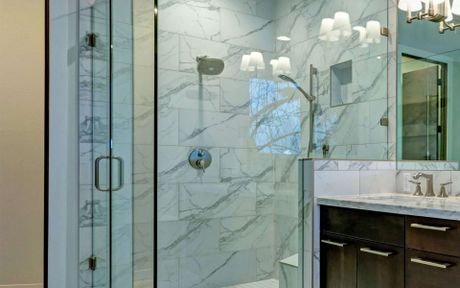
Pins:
<point x="430" y="270"/>
<point x="380" y="266"/>
<point x="338" y="262"/>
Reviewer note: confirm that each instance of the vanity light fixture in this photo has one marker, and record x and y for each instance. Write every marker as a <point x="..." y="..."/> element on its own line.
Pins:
<point x="438" y="11"/>
<point x="253" y="61"/>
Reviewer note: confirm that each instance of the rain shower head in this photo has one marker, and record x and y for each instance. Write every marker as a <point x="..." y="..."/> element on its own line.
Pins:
<point x="210" y="66"/>
<point x="289" y="79"/>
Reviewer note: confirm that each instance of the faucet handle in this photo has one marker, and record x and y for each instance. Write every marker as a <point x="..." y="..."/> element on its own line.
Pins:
<point x="418" y="188"/>
<point x="443" y="193"/>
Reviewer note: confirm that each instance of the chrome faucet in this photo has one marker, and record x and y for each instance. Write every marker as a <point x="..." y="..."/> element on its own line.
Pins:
<point x="429" y="183"/>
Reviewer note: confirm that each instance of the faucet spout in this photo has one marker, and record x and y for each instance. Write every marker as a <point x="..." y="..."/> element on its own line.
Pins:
<point x="429" y="183"/>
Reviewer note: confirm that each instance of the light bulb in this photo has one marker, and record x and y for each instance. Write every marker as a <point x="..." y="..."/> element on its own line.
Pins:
<point x="448" y="11"/>
<point x="412" y="5"/>
<point x="456" y="7"/>
<point x="434" y="2"/>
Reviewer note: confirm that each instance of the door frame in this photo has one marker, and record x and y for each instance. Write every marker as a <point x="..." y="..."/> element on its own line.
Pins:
<point x="442" y="147"/>
<point x="47" y="143"/>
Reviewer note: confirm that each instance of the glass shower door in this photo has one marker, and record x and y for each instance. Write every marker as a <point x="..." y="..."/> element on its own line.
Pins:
<point x="106" y="142"/>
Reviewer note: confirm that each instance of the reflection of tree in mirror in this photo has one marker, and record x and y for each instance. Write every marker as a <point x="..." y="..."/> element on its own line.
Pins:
<point x="276" y="118"/>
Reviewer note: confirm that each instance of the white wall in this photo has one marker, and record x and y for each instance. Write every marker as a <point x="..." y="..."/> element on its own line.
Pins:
<point x="22" y="54"/>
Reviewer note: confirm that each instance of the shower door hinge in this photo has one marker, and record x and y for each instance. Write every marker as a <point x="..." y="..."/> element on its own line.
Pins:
<point x="91" y="40"/>
<point x="92" y="262"/>
<point x="439" y="82"/>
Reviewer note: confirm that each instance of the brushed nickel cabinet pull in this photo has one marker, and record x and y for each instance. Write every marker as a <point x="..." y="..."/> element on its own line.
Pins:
<point x="430" y="263"/>
<point x="333" y="243"/>
<point x="376" y="252"/>
<point x="429" y="227"/>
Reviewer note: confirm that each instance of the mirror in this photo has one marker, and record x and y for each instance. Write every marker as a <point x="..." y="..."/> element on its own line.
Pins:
<point x="428" y="95"/>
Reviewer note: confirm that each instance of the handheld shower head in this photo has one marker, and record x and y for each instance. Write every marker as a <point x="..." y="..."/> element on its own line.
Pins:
<point x="286" y="78"/>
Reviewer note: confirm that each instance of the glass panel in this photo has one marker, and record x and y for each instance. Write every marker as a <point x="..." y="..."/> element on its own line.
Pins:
<point x="122" y="145"/>
<point x="106" y="141"/>
<point x="94" y="103"/>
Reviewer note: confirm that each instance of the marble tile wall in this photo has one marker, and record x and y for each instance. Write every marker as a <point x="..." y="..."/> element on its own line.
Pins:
<point x="217" y="228"/>
<point x="255" y="128"/>
<point x="353" y="131"/>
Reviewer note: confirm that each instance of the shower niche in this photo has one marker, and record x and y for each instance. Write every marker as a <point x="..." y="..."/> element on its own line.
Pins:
<point x="341" y="80"/>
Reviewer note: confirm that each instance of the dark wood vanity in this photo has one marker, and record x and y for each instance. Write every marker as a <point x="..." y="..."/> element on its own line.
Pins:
<point x="367" y="249"/>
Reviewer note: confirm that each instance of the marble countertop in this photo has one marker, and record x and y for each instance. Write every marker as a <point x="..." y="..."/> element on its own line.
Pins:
<point x="442" y="208"/>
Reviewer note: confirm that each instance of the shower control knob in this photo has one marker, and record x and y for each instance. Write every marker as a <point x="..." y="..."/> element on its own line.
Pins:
<point x="200" y="159"/>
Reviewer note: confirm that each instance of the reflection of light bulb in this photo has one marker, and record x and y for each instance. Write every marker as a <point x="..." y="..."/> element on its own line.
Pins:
<point x="284" y="65"/>
<point x="342" y="23"/>
<point x="245" y="63"/>
<point x="283" y="38"/>
<point x="373" y="32"/>
<point x="362" y="35"/>
<point x="412" y="5"/>
<point x="256" y="60"/>
<point x="326" y="31"/>
<point x="274" y="64"/>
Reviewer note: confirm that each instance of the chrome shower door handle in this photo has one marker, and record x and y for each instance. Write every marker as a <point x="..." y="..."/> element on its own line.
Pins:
<point x="121" y="176"/>
<point x="97" y="181"/>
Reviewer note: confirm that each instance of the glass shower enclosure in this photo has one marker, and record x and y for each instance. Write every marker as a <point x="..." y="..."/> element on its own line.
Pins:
<point x="106" y="139"/>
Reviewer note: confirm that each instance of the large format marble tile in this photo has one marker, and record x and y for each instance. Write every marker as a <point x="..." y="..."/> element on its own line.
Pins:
<point x="185" y="238"/>
<point x="208" y="200"/>
<point x="241" y="233"/>
<point x="250" y="164"/>
<point x="248" y="31"/>
<point x="189" y="18"/>
<point x="215" y="129"/>
<point x="218" y="270"/>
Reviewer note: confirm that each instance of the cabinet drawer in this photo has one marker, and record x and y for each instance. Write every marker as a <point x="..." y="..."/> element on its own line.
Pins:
<point x="368" y="225"/>
<point x="429" y="270"/>
<point x="433" y="235"/>
<point x="380" y="266"/>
